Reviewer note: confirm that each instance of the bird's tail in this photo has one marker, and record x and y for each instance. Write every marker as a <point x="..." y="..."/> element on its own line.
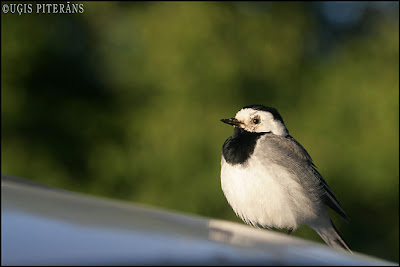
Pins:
<point x="332" y="237"/>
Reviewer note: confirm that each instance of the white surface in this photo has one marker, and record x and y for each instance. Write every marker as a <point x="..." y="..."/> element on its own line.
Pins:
<point x="44" y="226"/>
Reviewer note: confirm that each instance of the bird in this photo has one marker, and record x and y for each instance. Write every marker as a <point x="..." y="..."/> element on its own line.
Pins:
<point x="270" y="180"/>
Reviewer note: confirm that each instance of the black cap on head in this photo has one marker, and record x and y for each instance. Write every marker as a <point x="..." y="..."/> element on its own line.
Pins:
<point x="273" y="111"/>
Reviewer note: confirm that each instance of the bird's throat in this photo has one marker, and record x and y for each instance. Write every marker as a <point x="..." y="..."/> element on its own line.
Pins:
<point x="238" y="148"/>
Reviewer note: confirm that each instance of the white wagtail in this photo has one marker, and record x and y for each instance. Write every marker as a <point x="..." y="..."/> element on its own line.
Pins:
<point x="269" y="179"/>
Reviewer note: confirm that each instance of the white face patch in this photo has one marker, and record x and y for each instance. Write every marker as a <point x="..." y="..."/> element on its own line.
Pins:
<point x="259" y="121"/>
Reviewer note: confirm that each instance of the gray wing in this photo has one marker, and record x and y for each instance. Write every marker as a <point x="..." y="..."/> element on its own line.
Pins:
<point x="291" y="152"/>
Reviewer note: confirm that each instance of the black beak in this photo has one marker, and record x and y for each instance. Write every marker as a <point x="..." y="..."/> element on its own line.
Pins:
<point x="231" y="121"/>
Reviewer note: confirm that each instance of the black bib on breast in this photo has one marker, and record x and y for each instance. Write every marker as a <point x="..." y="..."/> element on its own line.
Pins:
<point x="238" y="148"/>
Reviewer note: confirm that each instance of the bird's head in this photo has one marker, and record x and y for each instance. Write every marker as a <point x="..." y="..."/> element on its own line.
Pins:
<point x="258" y="119"/>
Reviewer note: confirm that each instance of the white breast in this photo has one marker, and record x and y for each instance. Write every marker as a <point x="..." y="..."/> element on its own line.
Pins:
<point x="266" y="194"/>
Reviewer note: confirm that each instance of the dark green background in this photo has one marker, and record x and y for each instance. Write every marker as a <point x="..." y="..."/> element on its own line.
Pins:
<point x="124" y="101"/>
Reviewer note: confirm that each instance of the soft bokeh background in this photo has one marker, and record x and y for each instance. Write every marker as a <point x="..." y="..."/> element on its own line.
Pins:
<point x="124" y="101"/>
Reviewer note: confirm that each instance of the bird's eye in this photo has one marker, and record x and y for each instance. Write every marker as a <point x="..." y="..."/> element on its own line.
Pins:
<point x="256" y="121"/>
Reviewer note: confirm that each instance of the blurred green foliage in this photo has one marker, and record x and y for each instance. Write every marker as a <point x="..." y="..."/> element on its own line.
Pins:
<point x="124" y="101"/>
